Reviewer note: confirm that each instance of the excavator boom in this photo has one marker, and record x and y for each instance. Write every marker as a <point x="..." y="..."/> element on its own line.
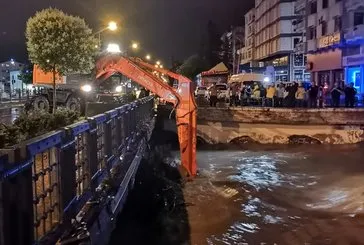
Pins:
<point x="182" y="99"/>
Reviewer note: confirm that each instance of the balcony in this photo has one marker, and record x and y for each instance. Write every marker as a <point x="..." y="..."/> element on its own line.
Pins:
<point x="352" y="5"/>
<point x="354" y="33"/>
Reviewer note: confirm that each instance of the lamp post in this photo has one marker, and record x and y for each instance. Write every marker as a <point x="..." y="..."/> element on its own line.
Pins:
<point x="112" y="26"/>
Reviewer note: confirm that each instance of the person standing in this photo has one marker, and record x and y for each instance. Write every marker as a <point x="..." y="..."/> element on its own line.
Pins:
<point x="213" y="95"/>
<point x="335" y="95"/>
<point x="312" y="96"/>
<point x="280" y="95"/>
<point x="350" y="93"/>
<point x="300" y="96"/>
<point x="234" y="95"/>
<point x="291" y="97"/>
<point x="271" y="91"/>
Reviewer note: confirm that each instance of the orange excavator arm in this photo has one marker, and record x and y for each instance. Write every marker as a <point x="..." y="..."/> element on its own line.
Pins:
<point x="182" y="99"/>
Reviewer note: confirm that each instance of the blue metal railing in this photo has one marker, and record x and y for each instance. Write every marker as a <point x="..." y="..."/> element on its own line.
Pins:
<point x="47" y="181"/>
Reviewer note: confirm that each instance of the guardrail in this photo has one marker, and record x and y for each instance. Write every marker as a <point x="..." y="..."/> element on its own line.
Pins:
<point x="48" y="185"/>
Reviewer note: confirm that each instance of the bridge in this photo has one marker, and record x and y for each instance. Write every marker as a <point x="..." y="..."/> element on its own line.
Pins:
<point x="72" y="183"/>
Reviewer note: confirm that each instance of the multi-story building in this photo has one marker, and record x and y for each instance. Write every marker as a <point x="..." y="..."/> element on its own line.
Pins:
<point x="246" y="53"/>
<point x="325" y="41"/>
<point x="5" y="69"/>
<point x="353" y="51"/>
<point x="300" y="48"/>
<point x="275" y="39"/>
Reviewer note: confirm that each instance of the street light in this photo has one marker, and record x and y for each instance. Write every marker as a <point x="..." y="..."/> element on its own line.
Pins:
<point x="112" y="26"/>
<point x="135" y="46"/>
<point x="148" y="57"/>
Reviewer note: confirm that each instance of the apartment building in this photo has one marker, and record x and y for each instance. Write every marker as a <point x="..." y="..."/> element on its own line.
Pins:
<point x="353" y="51"/>
<point x="246" y="53"/>
<point x="325" y="41"/>
<point x="276" y="38"/>
<point x="300" y="47"/>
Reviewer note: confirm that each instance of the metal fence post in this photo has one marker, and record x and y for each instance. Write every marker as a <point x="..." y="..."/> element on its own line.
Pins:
<point x="107" y="137"/>
<point x="16" y="206"/>
<point x="91" y="139"/>
<point x="68" y="173"/>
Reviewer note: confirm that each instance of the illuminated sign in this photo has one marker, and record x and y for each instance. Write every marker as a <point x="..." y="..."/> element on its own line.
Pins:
<point x="329" y="40"/>
<point x="353" y="60"/>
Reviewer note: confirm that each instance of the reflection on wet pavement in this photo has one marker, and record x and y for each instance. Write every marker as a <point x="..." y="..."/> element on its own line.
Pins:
<point x="295" y="195"/>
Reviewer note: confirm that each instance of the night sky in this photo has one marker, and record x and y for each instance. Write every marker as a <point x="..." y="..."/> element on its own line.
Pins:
<point x="164" y="28"/>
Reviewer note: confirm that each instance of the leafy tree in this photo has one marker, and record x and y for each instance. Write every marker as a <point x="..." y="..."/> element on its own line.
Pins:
<point x="193" y="66"/>
<point x="60" y="43"/>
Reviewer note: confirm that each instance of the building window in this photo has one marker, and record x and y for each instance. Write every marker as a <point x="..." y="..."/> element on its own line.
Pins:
<point x="313" y="7"/>
<point x="337" y="23"/>
<point x="298" y="75"/>
<point x="311" y="33"/>
<point x="358" y="19"/>
<point x="323" y="28"/>
<point x="325" y="3"/>
<point x="296" y="41"/>
<point x="298" y="60"/>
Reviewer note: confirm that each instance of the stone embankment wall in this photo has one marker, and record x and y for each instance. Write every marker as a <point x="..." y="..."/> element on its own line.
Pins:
<point x="280" y="126"/>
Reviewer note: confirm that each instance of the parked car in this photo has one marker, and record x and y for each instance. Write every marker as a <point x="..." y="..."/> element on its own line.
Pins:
<point x="201" y="91"/>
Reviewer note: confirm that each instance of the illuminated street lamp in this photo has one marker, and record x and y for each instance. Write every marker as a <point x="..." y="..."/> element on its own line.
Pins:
<point x="161" y="66"/>
<point x="112" y="26"/>
<point x="148" y="57"/>
<point x="135" y="46"/>
<point x="158" y="62"/>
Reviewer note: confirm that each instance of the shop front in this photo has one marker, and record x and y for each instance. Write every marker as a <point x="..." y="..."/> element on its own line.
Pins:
<point x="326" y="67"/>
<point x="354" y="71"/>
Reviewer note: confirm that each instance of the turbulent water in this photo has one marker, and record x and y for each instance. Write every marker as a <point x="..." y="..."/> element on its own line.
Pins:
<point x="278" y="195"/>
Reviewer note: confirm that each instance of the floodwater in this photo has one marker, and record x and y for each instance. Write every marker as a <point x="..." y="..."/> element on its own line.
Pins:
<point x="278" y="195"/>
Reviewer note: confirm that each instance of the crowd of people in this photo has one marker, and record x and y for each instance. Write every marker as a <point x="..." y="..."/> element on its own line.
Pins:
<point x="287" y="95"/>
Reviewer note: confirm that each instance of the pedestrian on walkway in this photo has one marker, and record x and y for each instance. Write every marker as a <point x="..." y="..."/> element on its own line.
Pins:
<point x="271" y="91"/>
<point x="280" y="95"/>
<point x="300" y="96"/>
<point x="350" y="93"/>
<point x="213" y="95"/>
<point x="312" y="95"/>
<point x="335" y="95"/>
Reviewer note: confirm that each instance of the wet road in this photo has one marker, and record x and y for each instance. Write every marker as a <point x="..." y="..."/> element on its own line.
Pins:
<point x="8" y="115"/>
<point x="278" y="195"/>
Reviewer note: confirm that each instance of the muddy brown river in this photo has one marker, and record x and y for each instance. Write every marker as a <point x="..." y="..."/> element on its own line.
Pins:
<point x="278" y="195"/>
<point x="307" y="195"/>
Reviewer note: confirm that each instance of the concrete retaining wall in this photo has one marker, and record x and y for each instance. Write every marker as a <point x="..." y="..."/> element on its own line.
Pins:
<point x="340" y="116"/>
<point x="280" y="126"/>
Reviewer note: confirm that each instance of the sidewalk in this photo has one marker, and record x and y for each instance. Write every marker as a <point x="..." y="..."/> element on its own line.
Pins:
<point x="10" y="104"/>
